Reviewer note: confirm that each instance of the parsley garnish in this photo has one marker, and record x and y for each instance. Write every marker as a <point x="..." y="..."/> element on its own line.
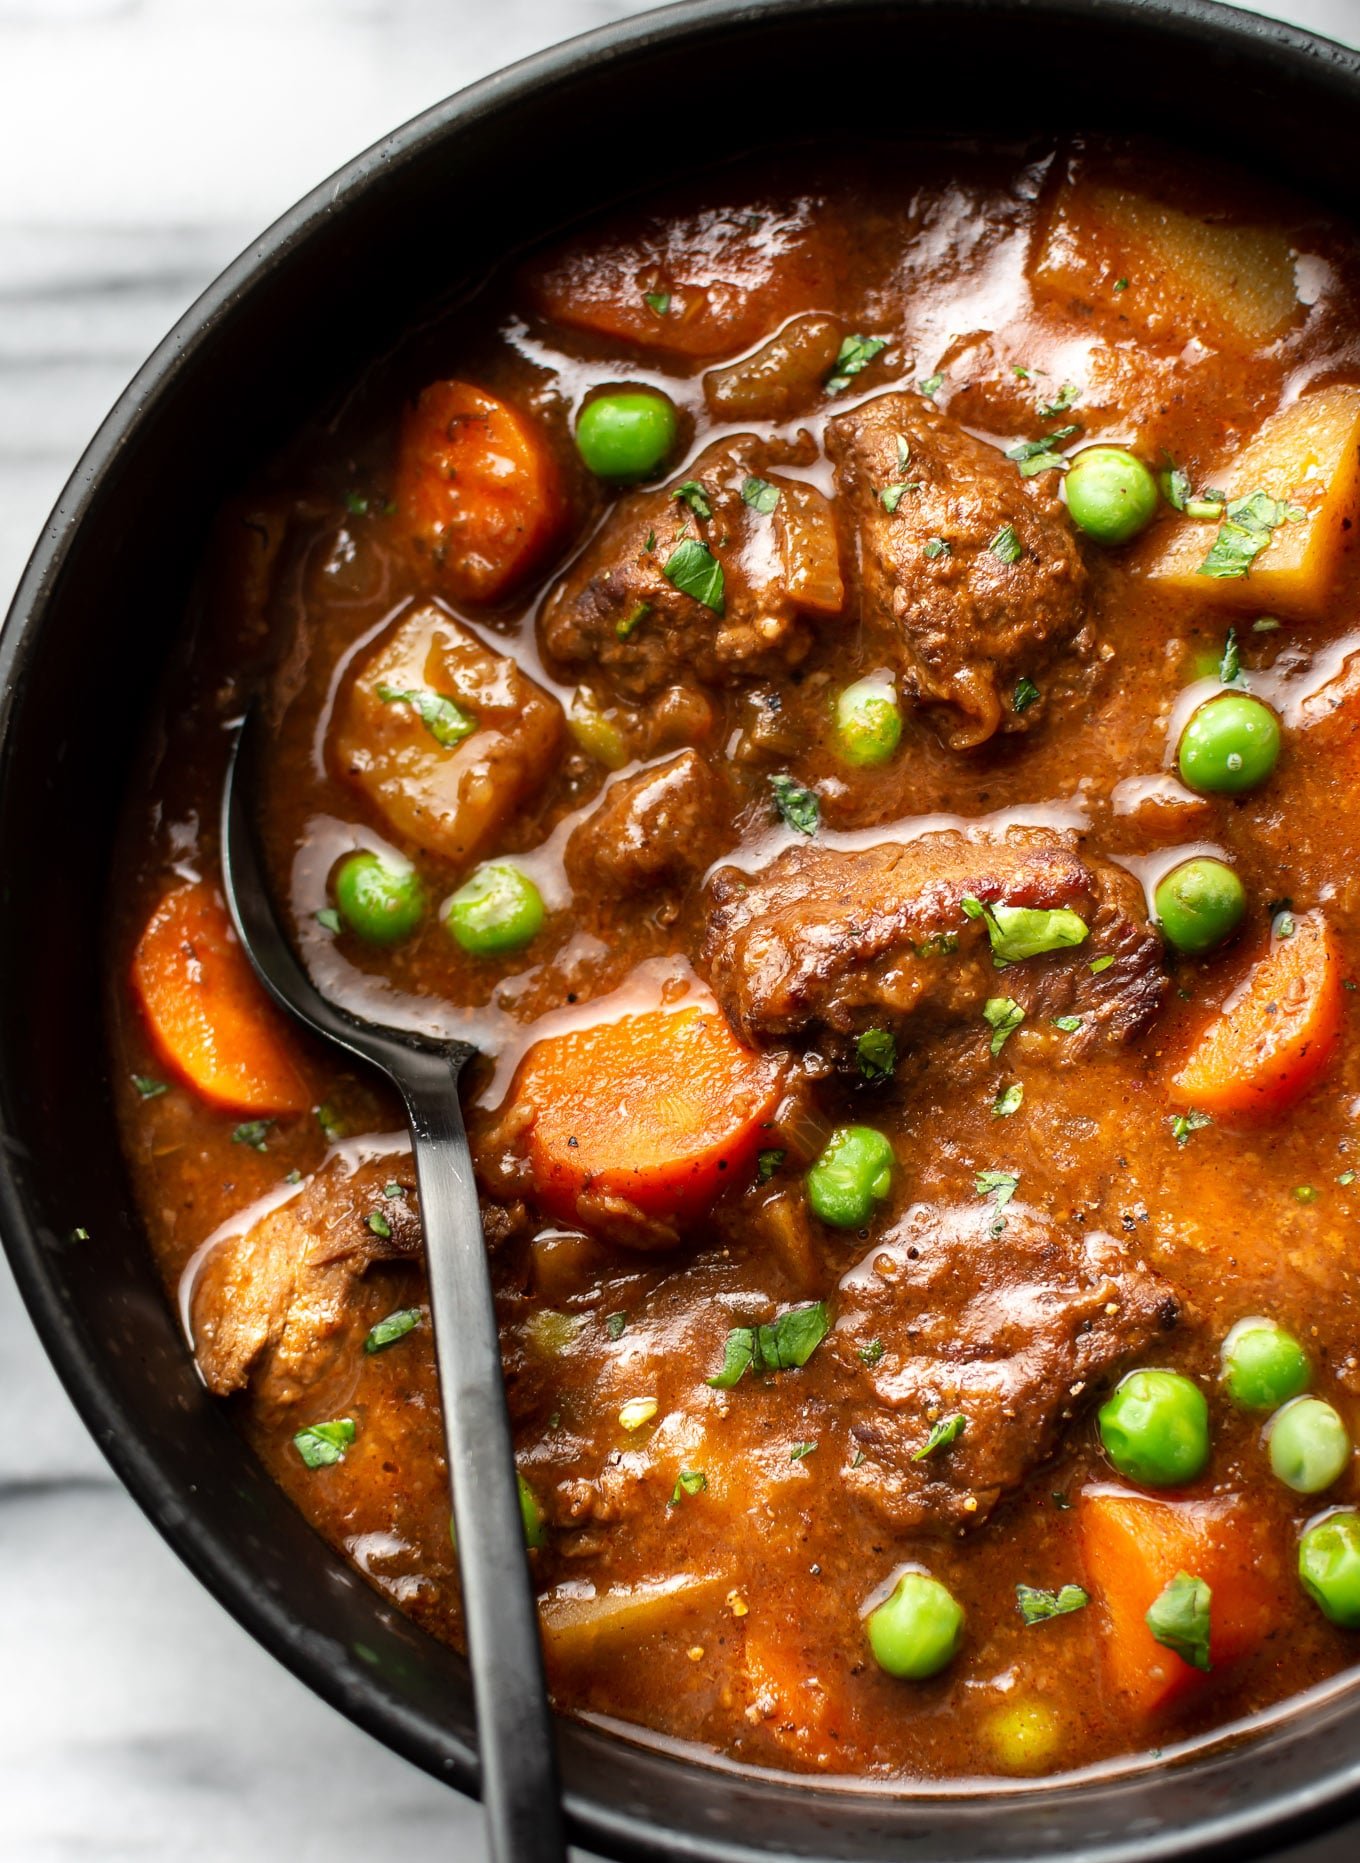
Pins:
<point x="1034" y="456"/>
<point x="1066" y="397"/>
<point x="1247" y="528"/>
<point x="252" y="1132"/>
<point x="1018" y="932"/>
<point x="800" y="1451"/>
<point x="1068" y="1024"/>
<point x="870" y="1354"/>
<point x="321" y="1444"/>
<point x="1101" y="963"/>
<point x="694" y="570"/>
<point x="1009" y="1101"/>
<point x="1121" y="284"/>
<point x="855" y="353"/>
<point x="1179" y="1619"/>
<point x="797" y="806"/>
<point x="691" y="493"/>
<point x="1176" y="487"/>
<point x="760" y="495"/>
<point x="379" y="1224"/>
<point x="1037" y="1606"/>
<point x="446" y="723"/>
<point x="148" y="1088"/>
<point x="931" y="386"/>
<point x="329" y="918"/>
<point x="394" y="1327"/>
<point x="1026" y="692"/>
<point x="1007" y="545"/>
<point x="1186" y="1123"/>
<point x="1000" y="1186"/>
<point x="876" y="1052"/>
<point x="331" y="1127"/>
<point x="937" y="547"/>
<point x="780" y="1345"/>
<point x="657" y="301"/>
<point x="1003" y="1015"/>
<point x="946" y="1431"/>
<point x="636" y="615"/>
<point x="1230" y="666"/>
<point x="767" y="1163"/>
<point x="689" y="1481"/>
<point x="615" y="1324"/>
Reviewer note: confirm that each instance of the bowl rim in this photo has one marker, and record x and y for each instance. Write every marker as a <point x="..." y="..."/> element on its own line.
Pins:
<point x="1296" y="1812"/>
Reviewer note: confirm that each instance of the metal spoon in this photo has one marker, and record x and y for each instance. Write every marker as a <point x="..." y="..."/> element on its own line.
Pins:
<point x="518" y="1761"/>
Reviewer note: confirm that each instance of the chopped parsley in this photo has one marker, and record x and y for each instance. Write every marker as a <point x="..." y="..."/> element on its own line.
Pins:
<point x="394" y="1327"/>
<point x="1284" y="924"/>
<point x="1007" y="545"/>
<point x="946" y="1431"/>
<point x="1068" y="1024"/>
<point x="446" y="722"/>
<point x="659" y="302"/>
<point x="1003" y="1016"/>
<point x="856" y="353"/>
<point x="800" y="1451"/>
<point x="329" y="919"/>
<point x="780" y="1345"/>
<point x="253" y="1132"/>
<point x="1101" y="963"/>
<point x="767" y="1163"/>
<point x="1036" y="1606"/>
<point x="689" y="1481"/>
<point x="1248" y="525"/>
<point x="1176" y="487"/>
<point x="1346" y="1177"/>
<point x="797" y="806"/>
<point x="1009" y="1101"/>
<point x="1179" y="1619"/>
<point x="691" y="493"/>
<point x="1026" y="692"/>
<point x="1000" y="1186"/>
<point x="1066" y="397"/>
<point x="931" y="386"/>
<point x="332" y="1127"/>
<point x="1121" y="284"/>
<point x="1018" y="932"/>
<point x="936" y="547"/>
<point x="148" y="1088"/>
<point x="635" y="617"/>
<point x="870" y="1354"/>
<point x="1186" y="1123"/>
<point x="379" y="1224"/>
<point x="891" y="495"/>
<point x="615" y="1324"/>
<point x="1035" y="456"/>
<point x="1230" y="666"/>
<point x="693" y="569"/>
<point x="321" y="1444"/>
<point x="876" y="1052"/>
<point x="760" y="495"/>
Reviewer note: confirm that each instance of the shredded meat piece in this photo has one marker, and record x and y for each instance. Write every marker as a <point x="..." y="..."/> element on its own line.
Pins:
<point x="1012" y="1327"/>
<point x="616" y="614"/>
<point x="823" y="944"/>
<point x="654" y="829"/>
<point x="936" y="577"/>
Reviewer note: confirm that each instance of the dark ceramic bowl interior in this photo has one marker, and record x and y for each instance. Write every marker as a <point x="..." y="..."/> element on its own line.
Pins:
<point x="424" y="213"/>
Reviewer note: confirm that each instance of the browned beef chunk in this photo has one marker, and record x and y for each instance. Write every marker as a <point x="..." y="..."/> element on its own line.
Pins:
<point x="1013" y="1328"/>
<point x="936" y="581"/>
<point x="277" y="1307"/>
<point x="653" y="829"/>
<point x="823" y="944"/>
<point x="617" y="616"/>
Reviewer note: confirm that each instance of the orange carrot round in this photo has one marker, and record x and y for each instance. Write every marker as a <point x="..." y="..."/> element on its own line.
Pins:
<point x="208" y="1016"/>
<point x="1275" y="1035"/>
<point x="662" y="1109"/>
<point x="1133" y="1547"/>
<point x="476" y="489"/>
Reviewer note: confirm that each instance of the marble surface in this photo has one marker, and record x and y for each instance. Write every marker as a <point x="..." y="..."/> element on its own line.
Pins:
<point x="142" y="142"/>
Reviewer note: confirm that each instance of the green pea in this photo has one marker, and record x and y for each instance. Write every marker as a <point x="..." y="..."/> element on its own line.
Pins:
<point x="498" y="909"/>
<point x="1310" y="1447"/>
<point x="868" y="722"/>
<point x="1329" y="1568"/>
<point x="1155" y="1428"/>
<point x="851" y="1176"/>
<point x="628" y="434"/>
<point x="378" y="899"/>
<point x="917" y="1629"/>
<point x="1199" y="904"/>
<point x="1263" y="1365"/>
<point x="1110" y="494"/>
<point x="1231" y="743"/>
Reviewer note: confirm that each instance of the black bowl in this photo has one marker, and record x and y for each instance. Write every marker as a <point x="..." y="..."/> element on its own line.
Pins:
<point x="96" y="615"/>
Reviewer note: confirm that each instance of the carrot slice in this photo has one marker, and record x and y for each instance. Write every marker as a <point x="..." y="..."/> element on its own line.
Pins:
<point x="209" y="1018"/>
<point x="476" y="489"/>
<point x="787" y="1698"/>
<point x="661" y="1109"/>
<point x="1275" y="1034"/>
<point x="1134" y="1546"/>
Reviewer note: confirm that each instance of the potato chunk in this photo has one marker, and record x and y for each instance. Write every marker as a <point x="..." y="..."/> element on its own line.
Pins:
<point x="444" y="737"/>
<point x="580" y="1624"/>
<point x="1231" y="286"/>
<point x="1307" y="457"/>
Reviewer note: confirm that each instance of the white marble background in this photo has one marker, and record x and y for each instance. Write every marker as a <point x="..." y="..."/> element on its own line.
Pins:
<point x="142" y="143"/>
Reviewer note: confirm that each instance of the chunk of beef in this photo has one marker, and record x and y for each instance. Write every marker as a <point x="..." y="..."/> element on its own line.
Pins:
<point x="445" y="738"/>
<point x="617" y="615"/>
<point x="279" y="1305"/>
<point x="1013" y="1328"/>
<point x="823" y="943"/>
<point x="654" y="829"/>
<point x="937" y="578"/>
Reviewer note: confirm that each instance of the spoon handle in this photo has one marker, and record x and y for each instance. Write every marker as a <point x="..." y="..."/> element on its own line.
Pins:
<point x="520" y="1789"/>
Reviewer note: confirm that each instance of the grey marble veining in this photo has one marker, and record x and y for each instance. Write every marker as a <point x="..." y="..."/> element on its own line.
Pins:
<point x="142" y="143"/>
